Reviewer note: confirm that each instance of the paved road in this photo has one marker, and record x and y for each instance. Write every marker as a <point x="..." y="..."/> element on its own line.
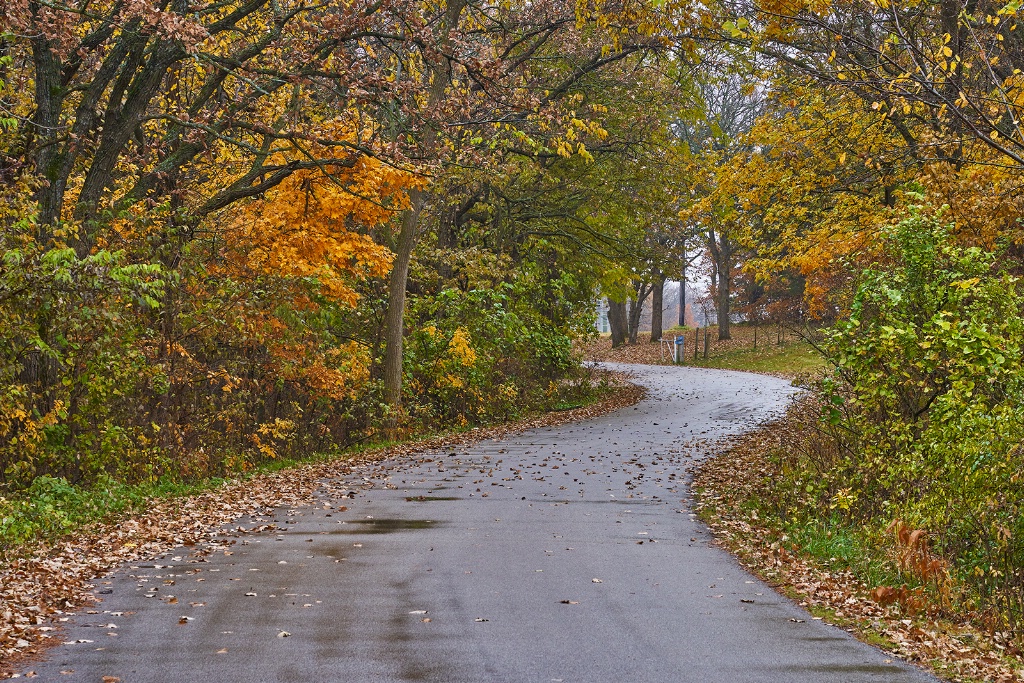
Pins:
<point x="562" y="554"/>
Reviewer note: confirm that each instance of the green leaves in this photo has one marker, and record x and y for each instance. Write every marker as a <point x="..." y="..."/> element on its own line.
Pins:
<point x="928" y="380"/>
<point x="736" y="29"/>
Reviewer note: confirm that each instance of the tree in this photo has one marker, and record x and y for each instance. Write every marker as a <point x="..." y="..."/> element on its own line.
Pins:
<point x="657" y="307"/>
<point x="618" y="321"/>
<point x="729" y="108"/>
<point x="817" y="181"/>
<point x="945" y="74"/>
<point x="497" y="105"/>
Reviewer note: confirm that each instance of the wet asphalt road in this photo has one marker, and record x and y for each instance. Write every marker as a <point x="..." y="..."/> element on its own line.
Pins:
<point x="561" y="554"/>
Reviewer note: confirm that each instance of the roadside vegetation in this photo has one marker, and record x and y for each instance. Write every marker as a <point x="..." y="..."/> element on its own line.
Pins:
<point x="902" y="469"/>
<point x="250" y="234"/>
<point x="71" y="535"/>
<point x="53" y="510"/>
<point x="878" y="582"/>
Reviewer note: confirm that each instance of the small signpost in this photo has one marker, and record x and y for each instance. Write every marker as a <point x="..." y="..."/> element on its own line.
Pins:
<point x="676" y="348"/>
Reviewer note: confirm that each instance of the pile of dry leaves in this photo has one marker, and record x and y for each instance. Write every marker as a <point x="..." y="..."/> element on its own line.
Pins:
<point x="36" y="592"/>
<point x="954" y="649"/>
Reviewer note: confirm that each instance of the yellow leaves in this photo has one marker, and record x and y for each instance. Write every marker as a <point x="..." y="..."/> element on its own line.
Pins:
<point x="20" y="427"/>
<point x="278" y="429"/>
<point x="982" y="199"/>
<point x="811" y="198"/>
<point x="844" y="499"/>
<point x="273" y="435"/>
<point x="460" y="349"/>
<point x="1010" y="9"/>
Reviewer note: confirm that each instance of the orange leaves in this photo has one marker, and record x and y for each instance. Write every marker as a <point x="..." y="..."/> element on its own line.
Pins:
<point x="307" y="227"/>
<point x="983" y="200"/>
<point x="916" y="558"/>
<point x="339" y="372"/>
<point x="820" y="181"/>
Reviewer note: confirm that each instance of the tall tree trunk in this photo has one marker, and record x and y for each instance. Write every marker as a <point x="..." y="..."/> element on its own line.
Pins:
<point x="657" y="304"/>
<point x="636" y="309"/>
<point x="617" y="322"/>
<point x="722" y="305"/>
<point x="722" y="302"/>
<point x="394" y="316"/>
<point x="722" y="250"/>
<point x="446" y="222"/>
<point x="682" y="295"/>
<point x="48" y="99"/>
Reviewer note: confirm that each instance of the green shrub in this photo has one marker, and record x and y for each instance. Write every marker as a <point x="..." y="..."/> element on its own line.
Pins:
<point x="923" y="410"/>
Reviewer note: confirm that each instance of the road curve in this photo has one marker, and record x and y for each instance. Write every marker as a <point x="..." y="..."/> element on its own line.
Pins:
<point x="564" y="554"/>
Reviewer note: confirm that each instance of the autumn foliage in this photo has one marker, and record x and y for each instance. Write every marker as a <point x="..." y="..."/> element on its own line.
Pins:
<point x="223" y="225"/>
<point x="233" y="233"/>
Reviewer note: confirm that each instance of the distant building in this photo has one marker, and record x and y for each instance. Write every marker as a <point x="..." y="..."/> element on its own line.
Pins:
<point x="602" y="317"/>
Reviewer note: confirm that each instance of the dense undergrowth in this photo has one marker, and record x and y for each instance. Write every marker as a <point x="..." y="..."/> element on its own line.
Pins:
<point x="908" y="467"/>
<point x="52" y="508"/>
<point x="122" y="382"/>
<point x="862" y="575"/>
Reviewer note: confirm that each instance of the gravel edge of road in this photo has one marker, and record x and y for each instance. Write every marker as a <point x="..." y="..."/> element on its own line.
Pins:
<point x="37" y="592"/>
